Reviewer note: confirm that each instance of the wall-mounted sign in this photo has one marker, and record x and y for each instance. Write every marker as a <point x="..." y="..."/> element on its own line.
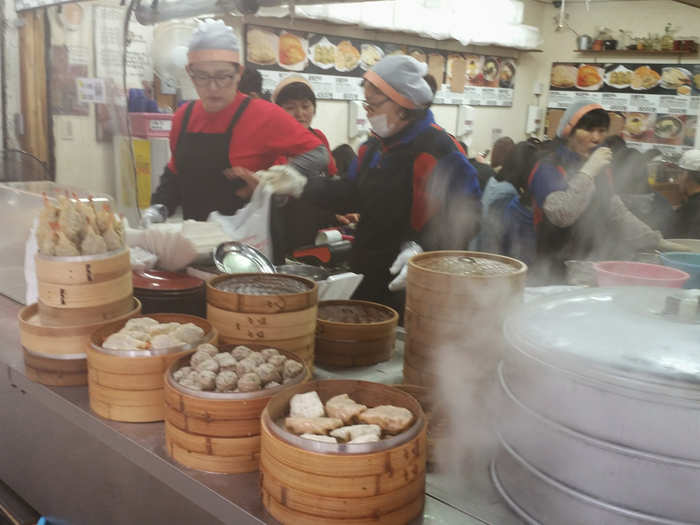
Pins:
<point x="335" y="65"/>
<point x="659" y="102"/>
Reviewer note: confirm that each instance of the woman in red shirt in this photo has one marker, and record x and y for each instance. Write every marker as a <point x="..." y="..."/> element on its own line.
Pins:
<point x="295" y="96"/>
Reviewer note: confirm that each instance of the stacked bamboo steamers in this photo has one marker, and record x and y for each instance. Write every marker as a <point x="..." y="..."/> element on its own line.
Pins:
<point x="77" y="295"/>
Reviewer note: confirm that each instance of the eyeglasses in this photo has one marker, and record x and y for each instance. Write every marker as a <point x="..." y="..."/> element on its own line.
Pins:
<point x="373" y="107"/>
<point x="220" y="80"/>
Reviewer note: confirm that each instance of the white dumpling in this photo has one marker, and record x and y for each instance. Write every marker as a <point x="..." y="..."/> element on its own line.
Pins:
<point x="208" y="348"/>
<point x="249" y="383"/>
<point x="241" y="352"/>
<point x="269" y="352"/>
<point x="322" y="439"/>
<point x="277" y="361"/>
<point x="226" y="361"/>
<point x="245" y="367"/>
<point x="206" y="379"/>
<point x="257" y="358"/>
<point x="163" y="328"/>
<point x="182" y="373"/>
<point x="306" y="405"/>
<point x="164" y="341"/>
<point x="123" y="341"/>
<point x="268" y="372"/>
<point x="140" y="324"/>
<point x="136" y="334"/>
<point x="226" y="381"/>
<point x="352" y="432"/>
<point x="198" y="357"/>
<point x="209" y="365"/>
<point x="292" y="369"/>
<point x="190" y="383"/>
<point x="189" y="333"/>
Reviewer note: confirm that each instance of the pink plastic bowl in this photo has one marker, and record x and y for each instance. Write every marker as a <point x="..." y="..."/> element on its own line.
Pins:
<point x="626" y="273"/>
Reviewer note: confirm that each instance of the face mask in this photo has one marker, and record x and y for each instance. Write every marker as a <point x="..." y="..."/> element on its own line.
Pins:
<point x="380" y="125"/>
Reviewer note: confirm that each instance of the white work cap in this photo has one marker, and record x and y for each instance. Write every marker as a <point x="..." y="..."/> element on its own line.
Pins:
<point x="214" y="41"/>
<point x="400" y="78"/>
<point x="690" y="160"/>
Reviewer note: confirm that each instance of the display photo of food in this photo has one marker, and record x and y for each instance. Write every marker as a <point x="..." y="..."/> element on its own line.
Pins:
<point x="638" y="126"/>
<point x="674" y="77"/>
<point x="347" y="56"/>
<point x="292" y="52"/>
<point x="370" y="55"/>
<point x="491" y="71"/>
<point x="418" y="55"/>
<point x="507" y="78"/>
<point x="668" y="130"/>
<point x="589" y="78"/>
<point x="322" y="54"/>
<point x="619" y="78"/>
<point x="261" y="47"/>
<point x="475" y="64"/>
<point x="644" y="78"/>
<point x="563" y="76"/>
<point x="691" y="124"/>
<point x="696" y="80"/>
<point x="436" y="67"/>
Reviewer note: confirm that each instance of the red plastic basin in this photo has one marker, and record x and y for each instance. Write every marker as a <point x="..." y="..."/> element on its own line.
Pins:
<point x="627" y="273"/>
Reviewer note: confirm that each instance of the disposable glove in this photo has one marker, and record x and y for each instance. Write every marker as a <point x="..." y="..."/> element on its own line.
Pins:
<point x="596" y="162"/>
<point x="400" y="265"/>
<point x="153" y="215"/>
<point x="283" y="180"/>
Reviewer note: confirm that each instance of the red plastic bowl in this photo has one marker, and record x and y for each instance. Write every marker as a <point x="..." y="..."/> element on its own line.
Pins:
<point x="626" y="273"/>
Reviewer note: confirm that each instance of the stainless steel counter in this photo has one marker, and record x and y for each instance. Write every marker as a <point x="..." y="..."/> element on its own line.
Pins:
<point x="77" y="468"/>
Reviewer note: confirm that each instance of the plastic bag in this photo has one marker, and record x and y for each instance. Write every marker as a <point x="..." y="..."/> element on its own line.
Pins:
<point x="31" y="248"/>
<point x="251" y="224"/>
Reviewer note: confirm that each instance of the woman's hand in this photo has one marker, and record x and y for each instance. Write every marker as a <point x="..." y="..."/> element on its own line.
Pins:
<point x="249" y="177"/>
<point x="348" y="219"/>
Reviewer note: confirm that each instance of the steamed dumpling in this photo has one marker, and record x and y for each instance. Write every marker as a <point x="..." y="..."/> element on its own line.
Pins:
<point x="123" y="341"/>
<point x="226" y="381"/>
<point x="162" y="328"/>
<point x="241" y="352"/>
<point x="140" y="324"/>
<point x="257" y="358"/>
<point x="268" y="372"/>
<point x="208" y="348"/>
<point x="198" y="357"/>
<point x="189" y="333"/>
<point x="306" y="405"/>
<point x="269" y="352"/>
<point x="277" y="361"/>
<point x="249" y="383"/>
<point x="164" y="341"/>
<point x="206" y="379"/>
<point x="226" y="361"/>
<point x="292" y="369"/>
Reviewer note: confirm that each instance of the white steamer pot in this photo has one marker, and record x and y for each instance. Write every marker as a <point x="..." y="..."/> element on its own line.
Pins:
<point x="600" y="391"/>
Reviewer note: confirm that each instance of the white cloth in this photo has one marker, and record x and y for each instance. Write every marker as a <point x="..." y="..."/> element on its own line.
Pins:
<point x="283" y="180"/>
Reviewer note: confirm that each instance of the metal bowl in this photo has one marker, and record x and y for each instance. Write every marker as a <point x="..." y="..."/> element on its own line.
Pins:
<point x="309" y="271"/>
<point x="236" y="257"/>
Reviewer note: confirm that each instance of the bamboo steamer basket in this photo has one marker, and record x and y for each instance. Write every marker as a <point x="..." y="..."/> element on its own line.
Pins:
<point x="127" y="385"/>
<point x="342" y="344"/>
<point x="214" y="431"/>
<point x="84" y="282"/>
<point x="457" y="316"/>
<point x="285" y="321"/>
<point x="305" y="482"/>
<point x="51" y="316"/>
<point x="53" y="348"/>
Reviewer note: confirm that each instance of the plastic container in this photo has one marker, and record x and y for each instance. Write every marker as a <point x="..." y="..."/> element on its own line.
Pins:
<point x="627" y="273"/>
<point x="686" y="262"/>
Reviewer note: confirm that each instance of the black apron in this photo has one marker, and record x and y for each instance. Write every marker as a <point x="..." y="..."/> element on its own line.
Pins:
<point x="386" y="196"/>
<point x="200" y="159"/>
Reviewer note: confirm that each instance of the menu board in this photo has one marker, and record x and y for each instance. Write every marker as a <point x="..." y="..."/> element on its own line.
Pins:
<point x="659" y="102"/>
<point x="335" y="65"/>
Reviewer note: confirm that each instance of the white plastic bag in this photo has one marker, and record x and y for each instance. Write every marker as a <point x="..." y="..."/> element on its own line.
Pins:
<point x="30" y="250"/>
<point x="251" y="224"/>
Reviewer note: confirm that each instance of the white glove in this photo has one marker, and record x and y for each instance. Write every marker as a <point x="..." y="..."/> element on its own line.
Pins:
<point x="400" y="266"/>
<point x="153" y="215"/>
<point x="283" y="180"/>
<point x="597" y="161"/>
<point x="668" y="246"/>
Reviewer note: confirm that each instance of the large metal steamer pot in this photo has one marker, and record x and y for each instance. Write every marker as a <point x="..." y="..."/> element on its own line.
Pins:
<point x="600" y="392"/>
